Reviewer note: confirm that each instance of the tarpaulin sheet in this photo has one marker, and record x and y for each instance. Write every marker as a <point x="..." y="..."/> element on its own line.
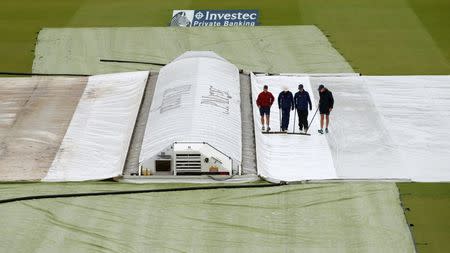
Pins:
<point x="334" y="217"/>
<point x="360" y="143"/>
<point x="338" y="218"/>
<point x="196" y="99"/>
<point x="97" y="139"/>
<point x="289" y="157"/>
<point x="391" y="127"/>
<point x="272" y="49"/>
<point x="34" y="115"/>
<point x="415" y="111"/>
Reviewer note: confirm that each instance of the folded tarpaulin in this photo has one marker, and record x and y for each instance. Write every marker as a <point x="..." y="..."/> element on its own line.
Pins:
<point x="382" y="127"/>
<point x="96" y="142"/>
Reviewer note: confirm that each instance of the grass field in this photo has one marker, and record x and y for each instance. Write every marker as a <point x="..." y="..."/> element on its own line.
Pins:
<point x="429" y="213"/>
<point x="384" y="37"/>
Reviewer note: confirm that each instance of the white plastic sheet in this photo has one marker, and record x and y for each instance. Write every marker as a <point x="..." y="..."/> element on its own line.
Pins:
<point x="196" y="99"/>
<point x="382" y="127"/>
<point x="96" y="143"/>
<point x="416" y="113"/>
<point x="361" y="145"/>
<point x="289" y="157"/>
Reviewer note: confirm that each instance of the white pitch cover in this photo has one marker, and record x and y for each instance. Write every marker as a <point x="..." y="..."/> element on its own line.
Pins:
<point x="282" y="157"/>
<point x="196" y="99"/>
<point x="416" y="113"/>
<point x="96" y="142"/>
<point x="382" y="128"/>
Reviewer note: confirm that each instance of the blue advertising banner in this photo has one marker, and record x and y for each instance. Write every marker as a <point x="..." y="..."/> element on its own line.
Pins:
<point x="214" y="18"/>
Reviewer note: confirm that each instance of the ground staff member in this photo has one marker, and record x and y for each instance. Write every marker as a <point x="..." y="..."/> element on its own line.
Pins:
<point x="286" y="104"/>
<point x="264" y="102"/>
<point x="326" y="103"/>
<point x="301" y="102"/>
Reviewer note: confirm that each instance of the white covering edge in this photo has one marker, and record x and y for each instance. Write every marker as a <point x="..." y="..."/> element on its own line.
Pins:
<point x="389" y="127"/>
<point x="415" y="110"/>
<point x="96" y="142"/>
<point x="289" y="157"/>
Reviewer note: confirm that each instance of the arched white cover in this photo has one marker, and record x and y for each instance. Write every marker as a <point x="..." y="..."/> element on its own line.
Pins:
<point x="196" y="99"/>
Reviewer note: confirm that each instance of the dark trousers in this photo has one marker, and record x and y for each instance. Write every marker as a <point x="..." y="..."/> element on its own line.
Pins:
<point x="302" y="119"/>
<point x="285" y="114"/>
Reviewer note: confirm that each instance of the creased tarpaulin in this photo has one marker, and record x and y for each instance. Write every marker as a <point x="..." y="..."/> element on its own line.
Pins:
<point x="97" y="140"/>
<point x="334" y="217"/>
<point x="391" y="127"/>
<point x="283" y="157"/>
<point x="272" y="49"/>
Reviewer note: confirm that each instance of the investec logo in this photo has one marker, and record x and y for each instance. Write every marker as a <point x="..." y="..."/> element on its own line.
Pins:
<point x="214" y="18"/>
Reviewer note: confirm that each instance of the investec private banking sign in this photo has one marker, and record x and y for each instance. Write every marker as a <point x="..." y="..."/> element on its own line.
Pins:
<point x="214" y="18"/>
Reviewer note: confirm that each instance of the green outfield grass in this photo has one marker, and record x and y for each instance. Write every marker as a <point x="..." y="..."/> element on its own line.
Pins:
<point x="385" y="37"/>
<point x="429" y="213"/>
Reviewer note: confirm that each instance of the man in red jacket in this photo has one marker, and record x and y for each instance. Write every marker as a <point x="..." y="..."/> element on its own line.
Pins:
<point x="264" y="102"/>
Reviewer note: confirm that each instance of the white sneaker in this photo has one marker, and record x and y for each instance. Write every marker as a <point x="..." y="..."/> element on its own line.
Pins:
<point x="263" y="128"/>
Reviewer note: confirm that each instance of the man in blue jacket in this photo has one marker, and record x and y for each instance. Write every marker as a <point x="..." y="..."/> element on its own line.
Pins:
<point x="286" y="104"/>
<point x="301" y="102"/>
